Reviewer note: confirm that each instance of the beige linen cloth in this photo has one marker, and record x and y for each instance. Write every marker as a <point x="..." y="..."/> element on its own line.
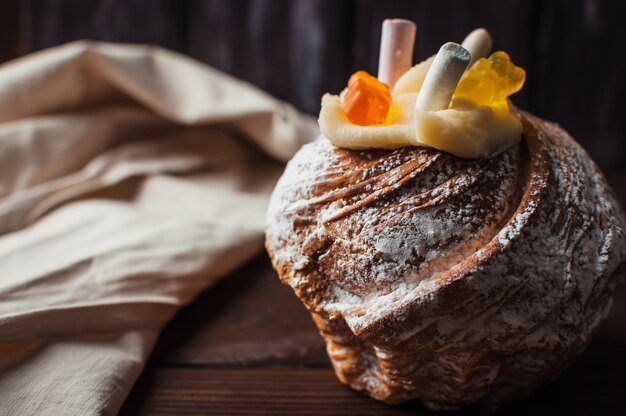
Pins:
<point x="132" y="178"/>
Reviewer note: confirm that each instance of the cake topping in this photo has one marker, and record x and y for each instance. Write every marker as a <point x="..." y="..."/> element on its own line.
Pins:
<point x="427" y="105"/>
<point x="396" y="50"/>
<point x="478" y="43"/>
<point x="442" y="78"/>
<point x="491" y="81"/>
<point x="367" y="100"/>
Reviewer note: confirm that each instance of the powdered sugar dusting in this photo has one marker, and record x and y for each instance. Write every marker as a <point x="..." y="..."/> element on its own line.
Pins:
<point x="378" y="224"/>
<point x="450" y="280"/>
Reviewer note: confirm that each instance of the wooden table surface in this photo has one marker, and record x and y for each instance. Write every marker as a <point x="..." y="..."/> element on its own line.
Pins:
<point x="247" y="347"/>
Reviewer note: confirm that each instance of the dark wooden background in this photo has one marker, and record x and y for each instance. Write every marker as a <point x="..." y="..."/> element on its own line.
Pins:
<point x="573" y="50"/>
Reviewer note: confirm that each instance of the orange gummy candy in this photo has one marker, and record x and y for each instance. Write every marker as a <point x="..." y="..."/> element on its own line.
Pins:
<point x="367" y="100"/>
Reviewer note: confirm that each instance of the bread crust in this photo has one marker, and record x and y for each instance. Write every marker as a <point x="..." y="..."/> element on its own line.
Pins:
<point x="446" y="280"/>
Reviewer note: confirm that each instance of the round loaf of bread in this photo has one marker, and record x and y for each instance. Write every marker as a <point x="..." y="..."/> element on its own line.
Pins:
<point x="448" y="280"/>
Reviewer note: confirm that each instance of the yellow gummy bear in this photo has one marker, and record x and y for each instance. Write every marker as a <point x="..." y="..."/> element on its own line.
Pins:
<point x="490" y="81"/>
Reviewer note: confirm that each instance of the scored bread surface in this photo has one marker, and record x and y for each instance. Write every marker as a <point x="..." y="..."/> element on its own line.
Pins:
<point x="448" y="280"/>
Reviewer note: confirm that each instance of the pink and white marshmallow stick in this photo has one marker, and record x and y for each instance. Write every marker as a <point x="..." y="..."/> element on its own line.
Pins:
<point x="396" y="50"/>
<point x="478" y="43"/>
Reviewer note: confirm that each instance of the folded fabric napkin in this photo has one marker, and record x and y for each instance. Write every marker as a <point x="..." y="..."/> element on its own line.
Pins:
<point x="131" y="178"/>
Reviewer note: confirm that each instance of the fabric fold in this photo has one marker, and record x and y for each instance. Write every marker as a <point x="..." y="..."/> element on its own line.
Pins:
<point x="132" y="179"/>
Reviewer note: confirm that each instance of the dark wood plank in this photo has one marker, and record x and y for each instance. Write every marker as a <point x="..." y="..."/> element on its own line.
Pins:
<point x="294" y="49"/>
<point x="248" y="319"/>
<point x="596" y="385"/>
<point x="617" y="180"/>
<point x="579" y="73"/>
<point x="157" y="22"/>
<point x="248" y="39"/>
<point x="251" y="391"/>
<point x="13" y="29"/>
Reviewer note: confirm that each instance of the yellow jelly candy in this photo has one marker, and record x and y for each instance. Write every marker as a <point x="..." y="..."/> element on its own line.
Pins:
<point x="367" y="100"/>
<point x="490" y="81"/>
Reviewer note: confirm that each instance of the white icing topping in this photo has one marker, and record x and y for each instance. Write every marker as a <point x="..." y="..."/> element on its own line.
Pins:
<point x="465" y="129"/>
